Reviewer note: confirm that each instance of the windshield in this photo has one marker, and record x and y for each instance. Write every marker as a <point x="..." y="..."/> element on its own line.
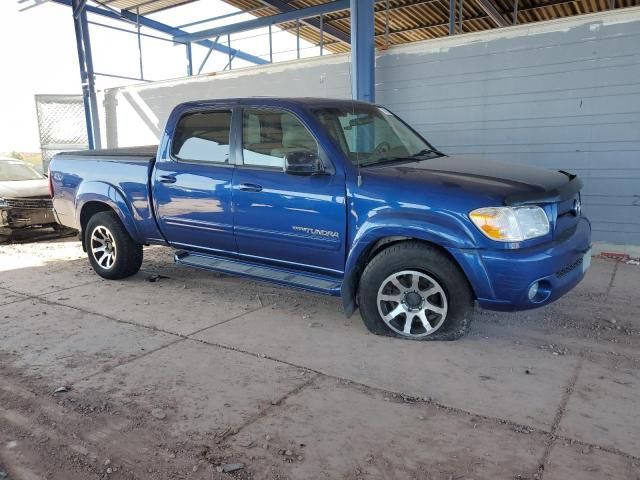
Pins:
<point x="15" y="170"/>
<point x="371" y="135"/>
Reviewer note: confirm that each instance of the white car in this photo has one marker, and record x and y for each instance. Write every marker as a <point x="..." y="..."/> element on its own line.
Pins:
<point x="25" y="202"/>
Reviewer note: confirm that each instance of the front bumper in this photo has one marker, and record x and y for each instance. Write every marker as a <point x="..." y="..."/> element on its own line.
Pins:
<point x="502" y="279"/>
<point x="17" y="218"/>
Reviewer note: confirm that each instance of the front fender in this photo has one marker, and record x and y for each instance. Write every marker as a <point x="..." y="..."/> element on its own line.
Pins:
<point x="440" y="228"/>
<point x="108" y="194"/>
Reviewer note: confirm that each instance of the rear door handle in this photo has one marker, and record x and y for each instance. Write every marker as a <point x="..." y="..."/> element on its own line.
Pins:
<point x="250" y="187"/>
<point x="167" y="179"/>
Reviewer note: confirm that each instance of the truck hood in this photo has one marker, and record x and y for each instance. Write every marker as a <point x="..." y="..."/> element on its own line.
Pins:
<point x="485" y="177"/>
<point x="24" y="188"/>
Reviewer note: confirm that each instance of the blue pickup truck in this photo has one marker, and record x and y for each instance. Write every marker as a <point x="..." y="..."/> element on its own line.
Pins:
<point x="337" y="197"/>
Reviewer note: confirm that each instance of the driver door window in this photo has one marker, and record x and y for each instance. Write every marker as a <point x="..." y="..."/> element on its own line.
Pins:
<point x="268" y="135"/>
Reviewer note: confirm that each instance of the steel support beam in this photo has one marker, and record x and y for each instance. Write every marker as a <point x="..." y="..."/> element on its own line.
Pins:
<point x="452" y="17"/>
<point x="330" y="30"/>
<point x="493" y="13"/>
<point x="161" y="27"/>
<point x="190" y="60"/>
<point x="362" y="50"/>
<point x="261" y="22"/>
<point x="87" y="76"/>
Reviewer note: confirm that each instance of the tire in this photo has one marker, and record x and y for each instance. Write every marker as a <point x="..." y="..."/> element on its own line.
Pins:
<point x="104" y="230"/>
<point x="426" y="284"/>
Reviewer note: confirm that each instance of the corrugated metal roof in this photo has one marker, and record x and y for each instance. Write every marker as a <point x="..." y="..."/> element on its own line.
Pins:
<point x="406" y="20"/>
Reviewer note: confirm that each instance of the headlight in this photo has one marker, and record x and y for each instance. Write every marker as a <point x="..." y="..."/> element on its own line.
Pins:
<point x="511" y="224"/>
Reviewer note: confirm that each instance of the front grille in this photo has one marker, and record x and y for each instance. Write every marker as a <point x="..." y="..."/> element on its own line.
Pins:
<point x="569" y="268"/>
<point x="566" y="219"/>
<point x="27" y="203"/>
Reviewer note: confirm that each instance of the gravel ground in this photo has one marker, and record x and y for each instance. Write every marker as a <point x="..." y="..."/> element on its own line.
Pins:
<point x="184" y="374"/>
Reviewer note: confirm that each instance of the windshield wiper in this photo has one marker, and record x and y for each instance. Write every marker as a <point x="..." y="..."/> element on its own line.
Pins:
<point x="427" y="151"/>
<point x="416" y="157"/>
<point x="387" y="160"/>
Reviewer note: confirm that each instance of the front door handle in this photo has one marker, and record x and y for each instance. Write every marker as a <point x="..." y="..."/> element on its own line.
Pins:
<point x="250" y="187"/>
<point x="167" y="179"/>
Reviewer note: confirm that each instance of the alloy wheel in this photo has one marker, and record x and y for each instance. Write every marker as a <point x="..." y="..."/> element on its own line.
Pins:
<point x="412" y="303"/>
<point x="103" y="247"/>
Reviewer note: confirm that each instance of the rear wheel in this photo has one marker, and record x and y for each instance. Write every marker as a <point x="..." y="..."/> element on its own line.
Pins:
<point x="413" y="290"/>
<point x="112" y="252"/>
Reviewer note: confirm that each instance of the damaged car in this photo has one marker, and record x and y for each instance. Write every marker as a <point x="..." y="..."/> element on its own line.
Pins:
<point x="25" y="202"/>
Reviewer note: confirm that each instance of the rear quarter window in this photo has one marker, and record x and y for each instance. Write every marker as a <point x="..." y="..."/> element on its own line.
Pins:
<point x="203" y="137"/>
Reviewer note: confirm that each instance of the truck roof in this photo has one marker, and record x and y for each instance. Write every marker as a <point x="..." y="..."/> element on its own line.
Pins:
<point x="280" y="101"/>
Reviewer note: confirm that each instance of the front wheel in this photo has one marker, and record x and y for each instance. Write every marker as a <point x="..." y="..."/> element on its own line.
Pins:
<point x="112" y="252"/>
<point x="413" y="290"/>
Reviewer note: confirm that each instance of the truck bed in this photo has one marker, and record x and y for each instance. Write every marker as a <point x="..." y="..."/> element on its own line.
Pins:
<point x="143" y="153"/>
<point x="119" y="177"/>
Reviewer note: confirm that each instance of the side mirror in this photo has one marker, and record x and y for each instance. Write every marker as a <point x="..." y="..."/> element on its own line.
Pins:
<point x="303" y="163"/>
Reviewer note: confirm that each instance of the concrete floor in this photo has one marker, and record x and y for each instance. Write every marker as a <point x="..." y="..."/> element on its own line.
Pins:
<point x="179" y="377"/>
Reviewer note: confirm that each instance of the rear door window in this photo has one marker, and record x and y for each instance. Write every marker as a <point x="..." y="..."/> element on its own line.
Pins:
<point x="203" y="137"/>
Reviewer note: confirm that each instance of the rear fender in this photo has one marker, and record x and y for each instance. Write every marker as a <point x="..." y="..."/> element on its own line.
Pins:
<point x="103" y="192"/>
<point x="442" y="229"/>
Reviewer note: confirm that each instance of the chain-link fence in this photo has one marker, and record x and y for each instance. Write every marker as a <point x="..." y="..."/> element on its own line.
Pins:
<point x="62" y="125"/>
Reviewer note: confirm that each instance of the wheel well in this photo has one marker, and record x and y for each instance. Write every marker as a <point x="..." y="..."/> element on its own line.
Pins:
<point x="89" y="209"/>
<point x="384" y="243"/>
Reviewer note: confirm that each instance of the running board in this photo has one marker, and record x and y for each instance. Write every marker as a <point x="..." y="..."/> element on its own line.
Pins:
<point x="305" y="281"/>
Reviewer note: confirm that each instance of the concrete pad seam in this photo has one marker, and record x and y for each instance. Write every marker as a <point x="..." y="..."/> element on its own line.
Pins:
<point x="533" y="339"/>
<point x="318" y="373"/>
<point x="558" y="417"/>
<point x="157" y="349"/>
<point x="445" y="407"/>
<point x="117" y="320"/>
<point x="408" y="397"/>
<point x="614" y="451"/>
<point x="30" y="295"/>
<point x="15" y="301"/>
<point x="613" y="277"/>
<point x="449" y="409"/>
<point x="240" y="315"/>
<point x="135" y="324"/>
<point x="265" y="411"/>
<point x="130" y="360"/>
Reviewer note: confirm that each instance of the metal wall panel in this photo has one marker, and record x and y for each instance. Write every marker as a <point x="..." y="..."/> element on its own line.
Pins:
<point x="563" y="94"/>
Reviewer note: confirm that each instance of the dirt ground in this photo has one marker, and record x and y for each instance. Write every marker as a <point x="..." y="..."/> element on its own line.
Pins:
<point x="183" y="374"/>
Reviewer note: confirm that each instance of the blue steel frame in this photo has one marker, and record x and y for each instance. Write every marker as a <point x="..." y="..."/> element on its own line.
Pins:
<point x="362" y="40"/>
<point x="363" y="50"/>
<point x="295" y="14"/>
<point x="85" y="59"/>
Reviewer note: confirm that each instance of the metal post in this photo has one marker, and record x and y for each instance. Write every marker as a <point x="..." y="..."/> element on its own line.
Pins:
<point x="363" y="50"/>
<point x="515" y="12"/>
<point x="91" y="78"/>
<point x="229" y="46"/>
<point x="461" y="15"/>
<point x="206" y="57"/>
<point x="298" y="38"/>
<point x="87" y="77"/>
<point x="190" y="59"/>
<point x="321" y="34"/>
<point x="452" y="17"/>
<point x="139" y="43"/>
<point x="270" y="44"/>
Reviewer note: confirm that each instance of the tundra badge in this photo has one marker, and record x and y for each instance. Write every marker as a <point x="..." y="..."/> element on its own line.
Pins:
<point x="316" y="231"/>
